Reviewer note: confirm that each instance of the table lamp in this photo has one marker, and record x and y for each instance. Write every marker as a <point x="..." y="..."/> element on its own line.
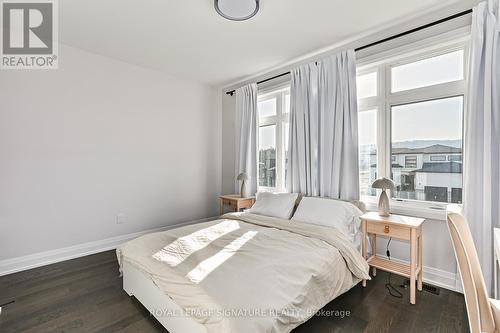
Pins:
<point x="383" y="202"/>
<point x="244" y="192"/>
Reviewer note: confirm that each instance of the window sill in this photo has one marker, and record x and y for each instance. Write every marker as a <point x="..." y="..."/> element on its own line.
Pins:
<point x="427" y="211"/>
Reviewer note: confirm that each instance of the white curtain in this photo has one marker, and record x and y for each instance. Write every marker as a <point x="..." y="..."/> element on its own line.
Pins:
<point x="302" y="176"/>
<point x="482" y="133"/>
<point x="338" y="127"/>
<point x="323" y="146"/>
<point x="246" y="135"/>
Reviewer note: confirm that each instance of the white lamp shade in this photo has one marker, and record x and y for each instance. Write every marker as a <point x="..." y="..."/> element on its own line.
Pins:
<point x="384" y="183"/>
<point x="242" y="176"/>
<point x="237" y="10"/>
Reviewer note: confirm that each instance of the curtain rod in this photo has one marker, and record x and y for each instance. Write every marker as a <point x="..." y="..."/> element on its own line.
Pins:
<point x="425" y="26"/>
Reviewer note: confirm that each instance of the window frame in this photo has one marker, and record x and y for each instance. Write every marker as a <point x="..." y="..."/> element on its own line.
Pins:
<point x="279" y="120"/>
<point x="386" y="99"/>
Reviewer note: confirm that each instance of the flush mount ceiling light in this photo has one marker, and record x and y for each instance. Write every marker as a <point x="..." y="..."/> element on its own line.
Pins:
<point x="237" y="10"/>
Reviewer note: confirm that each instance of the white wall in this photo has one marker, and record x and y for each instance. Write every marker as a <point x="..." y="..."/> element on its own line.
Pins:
<point x="97" y="138"/>
<point x="450" y="181"/>
<point x="228" y="147"/>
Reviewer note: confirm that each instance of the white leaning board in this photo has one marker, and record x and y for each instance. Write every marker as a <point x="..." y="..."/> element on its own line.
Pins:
<point x="138" y="284"/>
<point x="496" y="254"/>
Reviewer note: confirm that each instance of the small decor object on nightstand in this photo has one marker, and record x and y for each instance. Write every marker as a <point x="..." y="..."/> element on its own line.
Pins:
<point x="245" y="193"/>
<point x="383" y="202"/>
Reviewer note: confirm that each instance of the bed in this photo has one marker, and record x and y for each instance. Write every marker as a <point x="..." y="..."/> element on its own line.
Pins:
<point x="243" y="272"/>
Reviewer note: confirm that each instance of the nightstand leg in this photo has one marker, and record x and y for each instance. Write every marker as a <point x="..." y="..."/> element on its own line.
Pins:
<point x="221" y="205"/>
<point x="420" y="273"/>
<point x="363" y="244"/>
<point x="374" y="252"/>
<point x="413" y="262"/>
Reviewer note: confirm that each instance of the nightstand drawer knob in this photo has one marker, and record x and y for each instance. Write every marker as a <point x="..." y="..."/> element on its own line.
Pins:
<point x="386" y="229"/>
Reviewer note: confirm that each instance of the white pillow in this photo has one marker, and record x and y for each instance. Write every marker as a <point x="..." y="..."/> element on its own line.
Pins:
<point x="342" y="215"/>
<point x="274" y="204"/>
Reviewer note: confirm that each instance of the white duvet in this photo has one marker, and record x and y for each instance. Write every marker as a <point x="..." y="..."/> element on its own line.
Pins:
<point x="248" y="273"/>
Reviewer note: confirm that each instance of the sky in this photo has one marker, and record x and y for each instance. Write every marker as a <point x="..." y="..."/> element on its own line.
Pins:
<point x="430" y="120"/>
<point x="438" y="119"/>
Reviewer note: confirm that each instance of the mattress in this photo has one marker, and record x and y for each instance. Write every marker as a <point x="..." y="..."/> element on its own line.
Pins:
<point x="246" y="272"/>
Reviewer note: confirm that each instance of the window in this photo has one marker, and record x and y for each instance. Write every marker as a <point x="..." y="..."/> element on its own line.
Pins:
<point x="367" y="123"/>
<point x="411" y="162"/>
<point x="424" y="128"/>
<point x="410" y="123"/>
<point x="438" y="158"/>
<point x="267" y="156"/>
<point x="429" y="71"/>
<point x="267" y="107"/>
<point x="273" y="108"/>
<point x="366" y="85"/>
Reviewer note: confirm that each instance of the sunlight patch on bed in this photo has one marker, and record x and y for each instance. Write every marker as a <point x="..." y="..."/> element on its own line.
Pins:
<point x="207" y="266"/>
<point x="180" y="249"/>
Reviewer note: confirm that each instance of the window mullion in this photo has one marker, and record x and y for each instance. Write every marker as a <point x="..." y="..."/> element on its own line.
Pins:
<point x="440" y="91"/>
<point x="268" y="121"/>
<point x="387" y="123"/>
<point x="279" y="142"/>
<point x="383" y="125"/>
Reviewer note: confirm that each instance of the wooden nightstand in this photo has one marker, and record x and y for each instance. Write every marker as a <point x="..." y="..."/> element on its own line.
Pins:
<point x="400" y="227"/>
<point x="235" y="201"/>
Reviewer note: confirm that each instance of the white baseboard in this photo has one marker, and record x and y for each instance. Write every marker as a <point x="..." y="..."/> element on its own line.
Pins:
<point x="437" y="277"/>
<point x="9" y="266"/>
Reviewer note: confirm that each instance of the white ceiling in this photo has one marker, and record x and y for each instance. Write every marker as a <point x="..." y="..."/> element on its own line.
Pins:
<point x="187" y="38"/>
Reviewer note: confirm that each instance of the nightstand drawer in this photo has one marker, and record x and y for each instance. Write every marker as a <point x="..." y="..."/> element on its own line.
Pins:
<point x="247" y="203"/>
<point x="236" y="202"/>
<point x="228" y="202"/>
<point x="389" y="230"/>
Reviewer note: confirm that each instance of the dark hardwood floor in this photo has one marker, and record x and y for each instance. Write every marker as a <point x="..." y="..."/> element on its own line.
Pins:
<point x="86" y="295"/>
